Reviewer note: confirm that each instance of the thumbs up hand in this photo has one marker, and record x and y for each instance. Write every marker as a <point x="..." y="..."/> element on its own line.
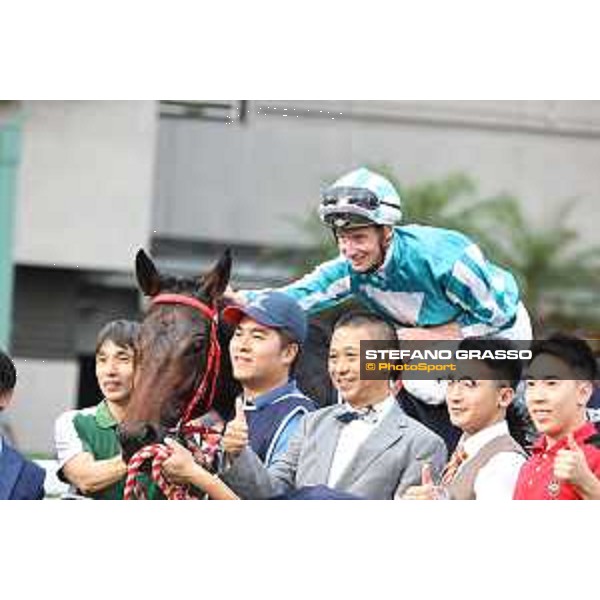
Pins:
<point x="427" y="490"/>
<point x="570" y="464"/>
<point x="426" y="478"/>
<point x="235" y="438"/>
<point x="240" y="415"/>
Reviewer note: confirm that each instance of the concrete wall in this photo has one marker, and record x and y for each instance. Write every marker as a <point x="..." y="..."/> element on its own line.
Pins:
<point x="85" y="186"/>
<point x="45" y="389"/>
<point x="248" y="183"/>
<point x="83" y="208"/>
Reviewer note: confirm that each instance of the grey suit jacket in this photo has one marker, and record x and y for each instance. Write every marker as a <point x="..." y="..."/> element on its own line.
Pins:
<point x="386" y="464"/>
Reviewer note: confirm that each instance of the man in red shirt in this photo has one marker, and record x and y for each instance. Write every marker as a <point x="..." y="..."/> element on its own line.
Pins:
<point x="565" y="461"/>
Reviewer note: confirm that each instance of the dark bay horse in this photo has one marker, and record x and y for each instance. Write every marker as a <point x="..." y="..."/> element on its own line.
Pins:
<point x="174" y="345"/>
<point x="173" y="351"/>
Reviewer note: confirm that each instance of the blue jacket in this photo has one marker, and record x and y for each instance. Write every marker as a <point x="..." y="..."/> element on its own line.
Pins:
<point x="20" y="479"/>
<point x="274" y="419"/>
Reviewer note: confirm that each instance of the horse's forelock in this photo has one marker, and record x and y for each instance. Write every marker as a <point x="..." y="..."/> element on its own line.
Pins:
<point x="183" y="285"/>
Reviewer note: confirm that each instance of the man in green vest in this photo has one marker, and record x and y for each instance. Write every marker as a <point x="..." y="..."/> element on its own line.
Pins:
<point x="86" y="440"/>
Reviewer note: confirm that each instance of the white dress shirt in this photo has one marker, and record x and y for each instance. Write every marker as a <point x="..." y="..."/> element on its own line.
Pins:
<point x="353" y="435"/>
<point x="496" y="480"/>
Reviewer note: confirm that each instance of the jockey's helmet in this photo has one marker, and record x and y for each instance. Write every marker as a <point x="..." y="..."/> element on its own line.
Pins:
<point x="360" y="198"/>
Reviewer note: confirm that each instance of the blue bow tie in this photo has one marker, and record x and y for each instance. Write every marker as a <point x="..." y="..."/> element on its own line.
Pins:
<point x="368" y="414"/>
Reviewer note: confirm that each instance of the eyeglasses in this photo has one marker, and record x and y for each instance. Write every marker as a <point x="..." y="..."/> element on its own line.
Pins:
<point x="471" y="384"/>
<point x="352" y="196"/>
<point x="463" y="384"/>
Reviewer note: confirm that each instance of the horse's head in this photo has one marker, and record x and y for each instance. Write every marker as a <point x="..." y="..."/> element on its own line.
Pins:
<point x="173" y="350"/>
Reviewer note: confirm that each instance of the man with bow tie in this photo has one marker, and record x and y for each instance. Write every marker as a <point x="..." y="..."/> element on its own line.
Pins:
<point x="366" y="446"/>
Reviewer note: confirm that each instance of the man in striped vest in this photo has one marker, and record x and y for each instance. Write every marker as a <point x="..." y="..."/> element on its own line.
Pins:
<point x="487" y="460"/>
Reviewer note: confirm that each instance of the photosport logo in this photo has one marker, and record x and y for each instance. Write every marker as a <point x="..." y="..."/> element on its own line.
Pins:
<point x="435" y="360"/>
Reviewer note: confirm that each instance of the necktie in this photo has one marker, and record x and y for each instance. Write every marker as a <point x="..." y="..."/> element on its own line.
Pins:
<point x="367" y="414"/>
<point x="458" y="458"/>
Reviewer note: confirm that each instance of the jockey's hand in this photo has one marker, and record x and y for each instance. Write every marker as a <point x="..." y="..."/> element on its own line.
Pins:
<point x="450" y="331"/>
<point x="179" y="467"/>
<point x="236" y="432"/>
<point x="233" y="296"/>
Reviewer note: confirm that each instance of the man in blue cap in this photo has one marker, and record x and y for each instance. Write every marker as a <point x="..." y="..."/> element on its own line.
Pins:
<point x="268" y="337"/>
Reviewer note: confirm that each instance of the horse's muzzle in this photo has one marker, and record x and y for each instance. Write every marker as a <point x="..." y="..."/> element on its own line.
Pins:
<point x="134" y="435"/>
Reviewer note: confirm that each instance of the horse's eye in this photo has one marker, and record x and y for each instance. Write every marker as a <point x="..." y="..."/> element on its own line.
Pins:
<point x="195" y="346"/>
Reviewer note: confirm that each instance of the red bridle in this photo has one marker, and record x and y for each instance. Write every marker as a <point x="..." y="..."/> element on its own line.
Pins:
<point x="207" y="387"/>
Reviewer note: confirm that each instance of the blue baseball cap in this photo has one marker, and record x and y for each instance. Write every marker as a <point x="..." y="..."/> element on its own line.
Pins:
<point x="272" y="309"/>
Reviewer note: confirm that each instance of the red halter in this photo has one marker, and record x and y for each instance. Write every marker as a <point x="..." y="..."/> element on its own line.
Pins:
<point x="207" y="387"/>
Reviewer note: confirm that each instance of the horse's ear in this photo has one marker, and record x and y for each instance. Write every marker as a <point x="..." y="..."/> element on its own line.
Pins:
<point x="215" y="282"/>
<point x="146" y="273"/>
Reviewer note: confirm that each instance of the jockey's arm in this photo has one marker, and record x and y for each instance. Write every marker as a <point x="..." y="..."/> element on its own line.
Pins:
<point x="90" y="475"/>
<point x="323" y="288"/>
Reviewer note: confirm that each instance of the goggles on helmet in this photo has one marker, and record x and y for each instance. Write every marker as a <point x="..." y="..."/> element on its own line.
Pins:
<point x="352" y="196"/>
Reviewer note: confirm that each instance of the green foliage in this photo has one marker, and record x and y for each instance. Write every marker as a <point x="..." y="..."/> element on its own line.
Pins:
<point x="452" y="203"/>
<point x="559" y="278"/>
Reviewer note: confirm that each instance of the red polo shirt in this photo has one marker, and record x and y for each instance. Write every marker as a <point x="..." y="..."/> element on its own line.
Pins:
<point x="536" y="479"/>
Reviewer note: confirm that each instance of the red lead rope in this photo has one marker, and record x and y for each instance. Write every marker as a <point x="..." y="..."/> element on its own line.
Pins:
<point x="158" y="453"/>
<point x="206" y="390"/>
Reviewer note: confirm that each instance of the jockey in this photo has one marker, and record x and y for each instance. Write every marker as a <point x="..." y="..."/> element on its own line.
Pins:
<point x="433" y="283"/>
